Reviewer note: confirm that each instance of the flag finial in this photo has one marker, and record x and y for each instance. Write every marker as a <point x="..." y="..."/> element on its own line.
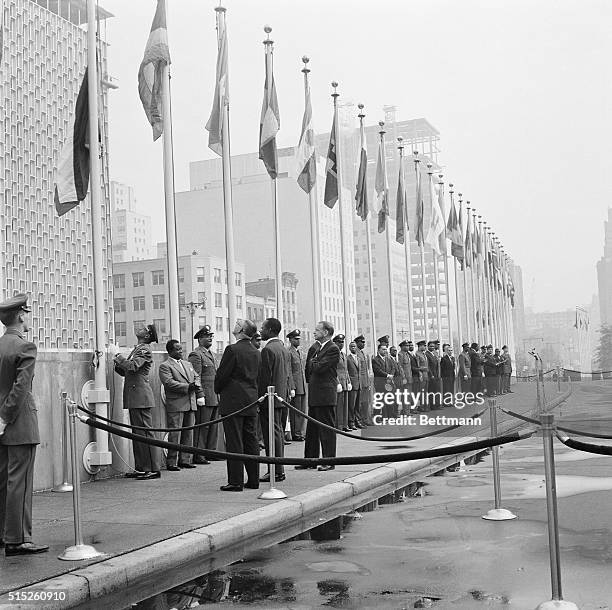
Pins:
<point x="450" y="186"/>
<point x="361" y="114"/>
<point x="429" y="170"/>
<point x="440" y="176"/>
<point x="267" y="30"/>
<point x="220" y="9"/>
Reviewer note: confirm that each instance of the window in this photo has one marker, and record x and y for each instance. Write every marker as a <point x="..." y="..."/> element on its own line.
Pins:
<point x="120" y="329"/>
<point x="181" y="275"/>
<point x="238" y="279"/>
<point x="183" y="325"/>
<point x="219" y="323"/>
<point x="182" y="299"/>
<point x="201" y="297"/>
<point x="225" y="277"/>
<point x="200" y="274"/>
<point x="217" y="275"/>
<point x="160" y="324"/>
<point x="238" y="301"/>
<point x="218" y="299"/>
<point x="159" y="301"/>
<point x="219" y="347"/>
<point x="138" y="304"/>
<point x="119" y="305"/>
<point x="157" y="278"/>
<point x="119" y="281"/>
<point x="138" y="279"/>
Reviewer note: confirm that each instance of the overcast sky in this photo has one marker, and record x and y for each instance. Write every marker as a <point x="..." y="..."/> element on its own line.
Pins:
<point x="519" y="90"/>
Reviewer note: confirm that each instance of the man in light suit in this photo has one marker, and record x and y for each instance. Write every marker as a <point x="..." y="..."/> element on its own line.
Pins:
<point x="364" y="408"/>
<point x="353" y="365"/>
<point x="298" y="424"/>
<point x="184" y="395"/>
<point x="205" y="365"/>
<point x="465" y="368"/>
<point x="344" y="385"/>
<point x="18" y="430"/>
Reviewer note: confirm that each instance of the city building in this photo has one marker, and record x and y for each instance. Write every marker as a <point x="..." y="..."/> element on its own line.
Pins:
<point x="141" y="297"/>
<point x="131" y="230"/>
<point x="604" y="274"/>
<point x="42" y="67"/>
<point x="265" y="288"/>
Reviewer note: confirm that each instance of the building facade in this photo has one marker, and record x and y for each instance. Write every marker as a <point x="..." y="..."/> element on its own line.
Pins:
<point x="604" y="274"/>
<point x="265" y="288"/>
<point x="42" y="67"/>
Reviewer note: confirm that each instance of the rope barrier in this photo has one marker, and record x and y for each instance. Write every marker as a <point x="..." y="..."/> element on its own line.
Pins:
<point x="373" y="438"/>
<point x="582" y="433"/>
<point x="534" y="376"/>
<point x="203" y="425"/>
<point x="587" y="447"/>
<point x="336" y="461"/>
<point x="519" y="416"/>
<point x="587" y="372"/>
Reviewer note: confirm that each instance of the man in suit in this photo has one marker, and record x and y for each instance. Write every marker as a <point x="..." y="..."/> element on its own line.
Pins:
<point x="363" y="410"/>
<point x="275" y="370"/>
<point x="506" y="370"/>
<point x="344" y="386"/>
<point x="465" y="368"/>
<point x="384" y="370"/>
<point x="423" y="372"/>
<point x="18" y="430"/>
<point x="236" y="384"/>
<point x="434" y="379"/>
<point x="204" y="364"/>
<point x="184" y="395"/>
<point x="491" y="368"/>
<point x="476" y="362"/>
<point x="398" y="373"/>
<point x="321" y="366"/>
<point x="447" y="371"/>
<point x="353" y="366"/>
<point x="298" y="424"/>
<point x="403" y="359"/>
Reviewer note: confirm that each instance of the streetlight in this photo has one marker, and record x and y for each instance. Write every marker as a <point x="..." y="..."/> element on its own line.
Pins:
<point x="192" y="307"/>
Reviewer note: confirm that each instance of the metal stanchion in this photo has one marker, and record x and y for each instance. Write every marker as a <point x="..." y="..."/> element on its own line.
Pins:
<point x="79" y="550"/>
<point x="272" y="493"/>
<point x="498" y="513"/>
<point x="547" y="421"/>
<point x="64" y="485"/>
<point x="558" y="379"/>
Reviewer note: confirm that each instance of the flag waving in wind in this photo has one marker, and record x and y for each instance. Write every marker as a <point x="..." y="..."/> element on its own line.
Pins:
<point x="469" y="251"/>
<point x="156" y="56"/>
<point x="400" y="207"/>
<point x="382" y="190"/>
<point x="436" y="226"/>
<point x="214" y="126"/>
<point x="305" y="156"/>
<point x="331" y="170"/>
<point x="420" y="209"/>
<point x="361" y="195"/>
<point x="455" y="233"/>
<point x="270" y="119"/>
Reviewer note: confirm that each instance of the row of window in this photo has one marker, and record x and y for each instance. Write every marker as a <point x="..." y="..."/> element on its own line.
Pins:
<point x="159" y="301"/>
<point x="158" y="277"/>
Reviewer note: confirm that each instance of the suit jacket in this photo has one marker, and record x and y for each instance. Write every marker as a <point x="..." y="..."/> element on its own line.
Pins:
<point x="297" y="370"/>
<point x="382" y="366"/>
<point x="236" y="378"/>
<point x="17" y="406"/>
<point x="404" y="361"/>
<point x="137" y="391"/>
<point x="464" y="366"/>
<point x="476" y="362"/>
<point x="364" y="370"/>
<point x="275" y="369"/>
<point x="353" y="366"/>
<point x="414" y="366"/>
<point x="433" y="364"/>
<point x="176" y="379"/>
<point x="507" y="368"/>
<point x="423" y="365"/>
<point x="490" y="365"/>
<point x="321" y="374"/>
<point x="342" y="372"/>
<point x="447" y="367"/>
<point x="205" y="365"/>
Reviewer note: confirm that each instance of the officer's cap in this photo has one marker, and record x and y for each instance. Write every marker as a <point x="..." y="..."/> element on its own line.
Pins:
<point x="384" y="340"/>
<point x="294" y="334"/>
<point x="403" y="343"/>
<point x="474" y="346"/>
<point x="465" y="345"/>
<point x="19" y="301"/>
<point x="359" y="338"/>
<point x="338" y="338"/>
<point x="489" y="347"/>
<point x="421" y="342"/>
<point x="205" y="331"/>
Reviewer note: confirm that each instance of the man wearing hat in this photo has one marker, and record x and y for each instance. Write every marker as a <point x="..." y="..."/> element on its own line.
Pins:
<point x="464" y="371"/>
<point x="344" y="385"/>
<point x="434" y="380"/>
<point x="476" y="360"/>
<point x="384" y="340"/>
<point x="423" y="370"/>
<point x="205" y="365"/>
<point x="363" y="409"/>
<point x="298" y="424"/>
<point x="18" y="430"/>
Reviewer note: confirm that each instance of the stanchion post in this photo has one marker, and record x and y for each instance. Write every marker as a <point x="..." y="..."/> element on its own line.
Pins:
<point x="64" y="485"/>
<point x="272" y="493"/>
<point x="547" y="421"/>
<point x="498" y="513"/>
<point x="79" y="550"/>
<point x="558" y="379"/>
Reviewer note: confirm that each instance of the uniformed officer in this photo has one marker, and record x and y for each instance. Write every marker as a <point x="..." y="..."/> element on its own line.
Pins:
<point x="423" y="371"/>
<point x="344" y="386"/>
<point x="465" y="368"/>
<point x="384" y="340"/>
<point x="364" y="408"/>
<point x="18" y="430"/>
<point x="298" y="424"/>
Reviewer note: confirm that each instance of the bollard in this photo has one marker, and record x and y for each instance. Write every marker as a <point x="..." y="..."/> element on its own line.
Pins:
<point x="547" y="421"/>
<point x="498" y="513"/>
<point x="79" y="550"/>
<point x="272" y="493"/>
<point x="65" y="485"/>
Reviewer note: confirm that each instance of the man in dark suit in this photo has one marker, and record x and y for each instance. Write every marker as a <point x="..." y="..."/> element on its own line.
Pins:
<point x="447" y="371"/>
<point x="363" y="409"/>
<point x="298" y="424"/>
<point x="184" y="395"/>
<point x="434" y="380"/>
<point x="422" y="370"/>
<point x="384" y="371"/>
<point x="465" y="368"/>
<point x="343" y="387"/>
<point x="236" y="384"/>
<point x="18" y="430"/>
<point x="476" y="364"/>
<point x="353" y="366"/>
<point x="205" y="365"/>
<point x="321" y="364"/>
<point x="275" y="370"/>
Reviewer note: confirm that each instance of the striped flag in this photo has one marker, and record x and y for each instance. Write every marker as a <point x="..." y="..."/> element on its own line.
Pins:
<point x="214" y="126"/>
<point x="270" y="119"/>
<point x="331" y="170"/>
<point x="436" y="225"/>
<point x="382" y="190"/>
<point x="420" y="210"/>
<point x="72" y="171"/>
<point x="361" y="195"/>
<point x="455" y="234"/>
<point x="156" y="56"/>
<point x="306" y="154"/>
<point x="400" y="208"/>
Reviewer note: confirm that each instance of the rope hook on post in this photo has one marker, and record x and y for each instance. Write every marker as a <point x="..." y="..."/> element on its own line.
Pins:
<point x="272" y="493"/>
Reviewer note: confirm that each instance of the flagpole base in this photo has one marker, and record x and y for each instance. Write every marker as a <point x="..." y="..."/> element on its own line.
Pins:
<point x="78" y="552"/>
<point x="272" y="494"/>
<point x="499" y="514"/>
<point x="560" y="604"/>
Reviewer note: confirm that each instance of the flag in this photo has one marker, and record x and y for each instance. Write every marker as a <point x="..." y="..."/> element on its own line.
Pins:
<point x="156" y="56"/>
<point x="72" y="171"/>
<point x="455" y="234"/>
<point x="442" y="206"/>
<point x="361" y="194"/>
<point x="400" y="208"/>
<point x="214" y="126"/>
<point x="331" y="170"/>
<point x="477" y="245"/>
<point x="305" y="154"/>
<point x="420" y="211"/>
<point x="436" y="225"/>
<point x="469" y="252"/>
<point x="382" y="189"/>
<point x="270" y="121"/>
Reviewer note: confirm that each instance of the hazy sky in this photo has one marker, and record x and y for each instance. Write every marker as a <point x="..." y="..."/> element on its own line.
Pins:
<point x="519" y="90"/>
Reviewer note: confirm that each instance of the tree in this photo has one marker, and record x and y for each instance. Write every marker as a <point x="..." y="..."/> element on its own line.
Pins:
<point x="603" y="353"/>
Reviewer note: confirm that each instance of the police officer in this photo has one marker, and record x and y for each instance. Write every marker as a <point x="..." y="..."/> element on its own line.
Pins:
<point x="298" y="424"/>
<point x="18" y="430"/>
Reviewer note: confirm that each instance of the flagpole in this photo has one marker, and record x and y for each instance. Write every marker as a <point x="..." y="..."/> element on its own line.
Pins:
<point x="497" y="291"/>
<point x="434" y="254"/>
<point x="477" y="282"/>
<point x="314" y="220"/>
<point x="407" y="250"/>
<point x="228" y="213"/>
<point x="486" y="303"/>
<point x="422" y="246"/>
<point x="345" y="291"/>
<point x="388" y="237"/>
<point x="99" y="397"/>
<point x="465" y="268"/>
<point x="457" y="302"/>
<point x="474" y="318"/>
<point x="443" y="237"/>
<point x="361" y="116"/>
<point x="490" y="289"/>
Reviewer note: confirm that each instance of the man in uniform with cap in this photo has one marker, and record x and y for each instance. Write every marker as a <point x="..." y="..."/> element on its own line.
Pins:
<point x="476" y="362"/>
<point x="344" y="385"/>
<point x="18" y="430"/>
<point x="298" y="424"/>
<point x="403" y="358"/>
<point x="363" y="409"/>
<point x="434" y="380"/>
<point x="353" y="366"/>
<point x="464" y="371"/>
<point x="205" y="365"/>
<point x="423" y="370"/>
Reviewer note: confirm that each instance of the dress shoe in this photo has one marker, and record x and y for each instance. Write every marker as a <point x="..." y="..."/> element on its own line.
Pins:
<point x="249" y="485"/>
<point x="287" y="442"/>
<point x="298" y="439"/>
<point x="186" y="465"/>
<point x="133" y="475"/>
<point x="201" y="461"/>
<point x="231" y="488"/>
<point x="173" y="468"/>
<point x="345" y="429"/>
<point x="266" y="478"/>
<point x="305" y="467"/>
<point x="26" y="548"/>
<point x="325" y="468"/>
<point x="146" y="476"/>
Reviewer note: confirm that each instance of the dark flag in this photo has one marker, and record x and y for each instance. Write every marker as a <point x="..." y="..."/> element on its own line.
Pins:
<point x="361" y="195"/>
<point x="420" y="211"/>
<point x="269" y="124"/>
<point x="331" y="170"/>
<point x="400" y="208"/>
<point x="382" y="190"/>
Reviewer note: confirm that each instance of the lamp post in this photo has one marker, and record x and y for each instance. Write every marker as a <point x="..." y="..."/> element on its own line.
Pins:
<point x="192" y="307"/>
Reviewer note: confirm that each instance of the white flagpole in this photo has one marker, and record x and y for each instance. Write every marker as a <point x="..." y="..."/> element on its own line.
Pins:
<point x="474" y="320"/>
<point x="445" y="262"/>
<point x="487" y="302"/>
<point x="468" y="328"/>
<point x="99" y="397"/>
<point x="457" y="301"/>
<point x="422" y="246"/>
<point x="434" y="254"/>
<point x="407" y="251"/>
<point x="491" y="293"/>
<point x="314" y="222"/>
<point x="479" y="289"/>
